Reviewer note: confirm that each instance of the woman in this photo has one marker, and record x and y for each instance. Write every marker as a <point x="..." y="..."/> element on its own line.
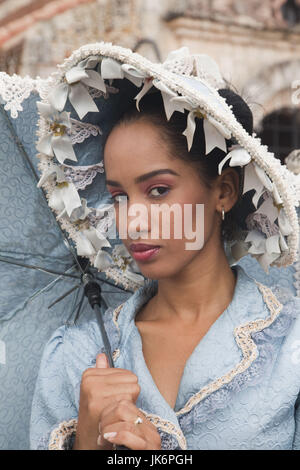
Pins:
<point x="205" y="357"/>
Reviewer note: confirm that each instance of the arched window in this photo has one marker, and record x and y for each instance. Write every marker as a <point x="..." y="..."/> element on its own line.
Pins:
<point x="152" y="48"/>
<point x="291" y="11"/>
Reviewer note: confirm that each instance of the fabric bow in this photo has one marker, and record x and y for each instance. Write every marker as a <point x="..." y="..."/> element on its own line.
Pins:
<point x="124" y="261"/>
<point x="90" y="241"/>
<point x="215" y="132"/>
<point x="200" y="65"/>
<point x="78" y="213"/>
<point x="266" y="250"/>
<point x="64" y="198"/>
<point x="57" y="142"/>
<point x="256" y="178"/>
<point x="238" y="156"/>
<point x="172" y="102"/>
<point x="75" y="86"/>
<point x="112" y="69"/>
<point x="269" y="249"/>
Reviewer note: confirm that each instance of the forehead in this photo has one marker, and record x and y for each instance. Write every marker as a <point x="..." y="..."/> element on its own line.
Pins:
<point x="138" y="147"/>
<point x="131" y="137"/>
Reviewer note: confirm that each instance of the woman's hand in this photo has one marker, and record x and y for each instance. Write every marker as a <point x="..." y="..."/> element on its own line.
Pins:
<point x="101" y="386"/>
<point x="119" y="418"/>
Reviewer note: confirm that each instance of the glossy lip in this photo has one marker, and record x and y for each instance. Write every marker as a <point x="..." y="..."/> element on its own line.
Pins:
<point x="140" y="247"/>
<point x="145" y="254"/>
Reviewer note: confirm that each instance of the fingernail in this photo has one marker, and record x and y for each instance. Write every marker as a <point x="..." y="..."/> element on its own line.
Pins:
<point x="109" y="435"/>
<point x="99" y="440"/>
<point x="101" y="361"/>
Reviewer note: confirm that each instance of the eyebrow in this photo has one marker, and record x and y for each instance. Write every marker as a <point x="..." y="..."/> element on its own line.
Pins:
<point x="145" y="177"/>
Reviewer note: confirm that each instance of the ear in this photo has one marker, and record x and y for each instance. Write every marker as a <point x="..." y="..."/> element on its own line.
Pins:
<point x="227" y="187"/>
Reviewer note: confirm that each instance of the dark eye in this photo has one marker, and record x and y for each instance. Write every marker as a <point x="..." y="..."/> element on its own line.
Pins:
<point x="160" y="191"/>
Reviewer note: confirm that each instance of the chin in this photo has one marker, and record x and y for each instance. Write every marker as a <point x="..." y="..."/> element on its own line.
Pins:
<point x="158" y="272"/>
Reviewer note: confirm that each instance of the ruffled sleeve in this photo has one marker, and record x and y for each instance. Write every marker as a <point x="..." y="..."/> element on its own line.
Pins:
<point x="53" y="406"/>
<point x="69" y="352"/>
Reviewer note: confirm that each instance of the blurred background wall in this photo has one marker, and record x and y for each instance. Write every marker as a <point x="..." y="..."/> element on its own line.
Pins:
<point x="255" y="42"/>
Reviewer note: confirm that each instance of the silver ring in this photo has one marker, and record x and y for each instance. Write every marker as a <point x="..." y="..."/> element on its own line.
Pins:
<point x="138" y="420"/>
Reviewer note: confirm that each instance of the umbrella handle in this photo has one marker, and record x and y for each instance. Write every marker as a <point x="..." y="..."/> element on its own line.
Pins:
<point x="104" y="335"/>
<point x="93" y="292"/>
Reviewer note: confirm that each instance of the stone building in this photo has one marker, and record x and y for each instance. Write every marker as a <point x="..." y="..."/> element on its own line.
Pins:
<point x="256" y="44"/>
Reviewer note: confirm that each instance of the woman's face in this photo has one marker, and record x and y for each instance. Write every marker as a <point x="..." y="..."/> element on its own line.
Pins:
<point x="139" y="167"/>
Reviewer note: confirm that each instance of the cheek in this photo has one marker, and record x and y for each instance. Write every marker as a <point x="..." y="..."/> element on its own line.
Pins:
<point x="172" y="227"/>
<point x="192" y="193"/>
<point x="197" y="211"/>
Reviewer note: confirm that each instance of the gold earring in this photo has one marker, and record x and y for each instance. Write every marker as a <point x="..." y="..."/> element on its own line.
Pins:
<point x="223" y="213"/>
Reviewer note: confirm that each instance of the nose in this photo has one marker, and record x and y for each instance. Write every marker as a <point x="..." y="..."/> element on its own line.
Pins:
<point x="138" y="221"/>
<point x="133" y="219"/>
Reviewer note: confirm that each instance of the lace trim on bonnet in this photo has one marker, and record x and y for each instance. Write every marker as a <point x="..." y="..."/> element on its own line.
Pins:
<point x="187" y="82"/>
<point x="293" y="164"/>
<point x="14" y="90"/>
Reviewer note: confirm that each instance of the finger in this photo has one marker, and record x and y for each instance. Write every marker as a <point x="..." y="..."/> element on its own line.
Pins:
<point x="101" y="361"/>
<point x="119" y="426"/>
<point x="114" y="378"/>
<point x="114" y="403"/>
<point x="127" y="414"/>
<point x="104" y="444"/>
<point x="129" y="440"/>
<point x="113" y="390"/>
<point x="111" y="403"/>
<point x="99" y="397"/>
<point x="123" y="410"/>
<point x="110" y="406"/>
<point x="108" y="371"/>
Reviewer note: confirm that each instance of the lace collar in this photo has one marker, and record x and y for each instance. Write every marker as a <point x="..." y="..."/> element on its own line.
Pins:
<point x="241" y="309"/>
<point x="221" y="357"/>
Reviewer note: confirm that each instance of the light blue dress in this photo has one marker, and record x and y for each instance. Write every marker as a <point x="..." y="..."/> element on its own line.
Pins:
<point x="239" y="389"/>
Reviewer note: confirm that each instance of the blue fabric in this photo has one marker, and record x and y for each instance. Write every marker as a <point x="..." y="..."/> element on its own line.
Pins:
<point x="29" y="234"/>
<point x="258" y="408"/>
<point x="25" y="322"/>
<point x="283" y="277"/>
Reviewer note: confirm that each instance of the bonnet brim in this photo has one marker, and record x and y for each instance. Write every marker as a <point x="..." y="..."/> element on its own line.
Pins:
<point x="86" y="96"/>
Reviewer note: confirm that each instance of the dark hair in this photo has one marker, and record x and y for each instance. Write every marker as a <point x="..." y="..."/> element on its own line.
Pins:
<point x="152" y="110"/>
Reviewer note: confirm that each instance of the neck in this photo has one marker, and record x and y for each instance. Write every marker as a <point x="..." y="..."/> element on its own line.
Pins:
<point x="200" y="292"/>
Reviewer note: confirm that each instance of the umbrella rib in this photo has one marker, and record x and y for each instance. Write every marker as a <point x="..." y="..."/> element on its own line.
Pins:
<point x="56" y="273"/>
<point x="25" y="155"/>
<point x="64" y="295"/>
<point x="113" y="292"/>
<point x="79" y="307"/>
<point x="38" y="268"/>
